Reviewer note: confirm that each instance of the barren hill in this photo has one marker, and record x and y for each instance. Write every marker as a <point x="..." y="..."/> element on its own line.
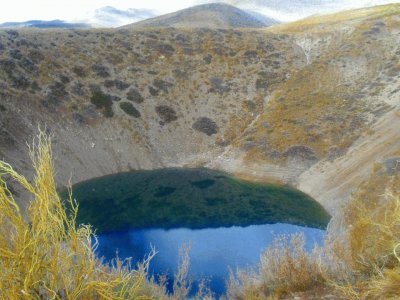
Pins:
<point x="315" y="104"/>
<point x="214" y="15"/>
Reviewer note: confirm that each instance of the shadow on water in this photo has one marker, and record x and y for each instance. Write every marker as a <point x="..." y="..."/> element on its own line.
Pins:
<point x="190" y="198"/>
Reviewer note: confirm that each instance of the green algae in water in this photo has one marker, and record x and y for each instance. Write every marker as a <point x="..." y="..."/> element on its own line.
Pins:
<point x="191" y="198"/>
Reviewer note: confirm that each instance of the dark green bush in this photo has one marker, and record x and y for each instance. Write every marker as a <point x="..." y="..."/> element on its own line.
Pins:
<point x="153" y="91"/>
<point x="135" y="96"/>
<point x="102" y="101"/>
<point x="166" y="113"/>
<point x="205" y="125"/>
<point x="129" y="109"/>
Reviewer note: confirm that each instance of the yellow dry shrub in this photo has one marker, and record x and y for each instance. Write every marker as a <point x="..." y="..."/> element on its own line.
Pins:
<point x="48" y="256"/>
<point x="360" y="258"/>
<point x="372" y="223"/>
<point x="285" y="267"/>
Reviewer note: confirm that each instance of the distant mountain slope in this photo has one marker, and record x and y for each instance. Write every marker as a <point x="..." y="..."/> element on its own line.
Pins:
<point x="214" y="15"/>
<point x="315" y="107"/>
<point x="44" y="24"/>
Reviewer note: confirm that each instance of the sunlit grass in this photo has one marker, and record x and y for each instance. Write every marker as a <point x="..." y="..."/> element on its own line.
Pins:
<point x="360" y="258"/>
<point x="46" y="256"/>
<point x="335" y="18"/>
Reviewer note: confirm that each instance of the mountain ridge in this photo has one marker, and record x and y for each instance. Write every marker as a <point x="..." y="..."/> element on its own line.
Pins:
<point x="44" y="24"/>
<point x="213" y="15"/>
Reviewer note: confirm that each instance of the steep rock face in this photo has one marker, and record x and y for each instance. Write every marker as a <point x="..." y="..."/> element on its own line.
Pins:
<point x="315" y="108"/>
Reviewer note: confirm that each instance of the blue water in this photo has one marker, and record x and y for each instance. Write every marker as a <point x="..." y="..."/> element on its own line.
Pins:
<point x="213" y="251"/>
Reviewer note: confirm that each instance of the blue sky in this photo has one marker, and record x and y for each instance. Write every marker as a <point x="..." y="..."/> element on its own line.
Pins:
<point x="120" y="12"/>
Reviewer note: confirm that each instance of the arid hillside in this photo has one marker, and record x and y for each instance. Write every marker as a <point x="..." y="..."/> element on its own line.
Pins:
<point x="314" y="103"/>
<point x="212" y="15"/>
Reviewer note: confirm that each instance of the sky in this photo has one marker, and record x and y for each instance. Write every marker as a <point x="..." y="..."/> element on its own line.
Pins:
<point x="120" y="12"/>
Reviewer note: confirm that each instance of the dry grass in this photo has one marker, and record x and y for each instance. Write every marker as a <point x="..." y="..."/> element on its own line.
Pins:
<point x="337" y="18"/>
<point x="285" y="267"/>
<point x="373" y="238"/>
<point x="49" y="257"/>
<point x="360" y="259"/>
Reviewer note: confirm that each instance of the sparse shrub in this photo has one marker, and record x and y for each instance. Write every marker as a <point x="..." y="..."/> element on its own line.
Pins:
<point x="100" y="70"/>
<point x="179" y="73"/>
<point x="35" y="87"/>
<point x="64" y="78"/>
<point x="20" y="81"/>
<point x="167" y="114"/>
<point x="115" y="98"/>
<point x="79" y="71"/>
<point x="205" y="125"/>
<point x="57" y="93"/>
<point x="2" y="108"/>
<point x="15" y="54"/>
<point x="218" y="85"/>
<point x="162" y="85"/>
<point x="120" y="85"/>
<point x="129" y="109"/>
<point x="251" y="54"/>
<point x="78" y="118"/>
<point x="7" y="65"/>
<point x="188" y="50"/>
<point x="12" y="33"/>
<point x="35" y="56"/>
<point x="109" y="83"/>
<point x="28" y="65"/>
<point x="102" y="101"/>
<point x="154" y="92"/>
<point x="166" y="49"/>
<point x="135" y="96"/>
<point x="300" y="152"/>
<point x="265" y="80"/>
<point x="77" y="89"/>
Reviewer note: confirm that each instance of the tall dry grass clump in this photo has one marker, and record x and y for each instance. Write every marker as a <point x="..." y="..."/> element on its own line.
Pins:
<point x="285" y="267"/>
<point x="372" y="220"/>
<point x="360" y="258"/>
<point x="48" y="256"/>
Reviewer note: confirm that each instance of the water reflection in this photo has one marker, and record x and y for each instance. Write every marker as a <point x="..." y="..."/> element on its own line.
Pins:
<point x="213" y="252"/>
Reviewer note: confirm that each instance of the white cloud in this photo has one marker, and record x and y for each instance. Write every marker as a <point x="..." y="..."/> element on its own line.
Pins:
<point x="112" y="17"/>
<point x="77" y="10"/>
<point x="88" y="10"/>
<point x="292" y="10"/>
